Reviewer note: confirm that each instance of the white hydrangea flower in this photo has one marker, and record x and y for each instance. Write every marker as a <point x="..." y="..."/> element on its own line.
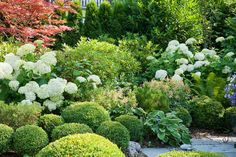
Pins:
<point x="5" y="70"/>
<point x="50" y="105"/>
<point x="198" y="73"/>
<point x="191" y="41"/>
<point x="220" y="39"/>
<point x="230" y="37"/>
<point x="29" y="66"/>
<point x="182" y="61"/>
<point x="42" y="92"/>
<point x="189" y="54"/>
<point x="71" y="88"/>
<point x="26" y="102"/>
<point x="179" y="71"/>
<point x="14" y="85"/>
<point x="198" y="64"/>
<point x="171" y="49"/>
<point x="226" y="70"/>
<point x="184" y="67"/>
<point x="183" y="47"/>
<point x="161" y="74"/>
<point x="190" y="67"/>
<point x="25" y="49"/>
<point x="41" y="68"/>
<point x="22" y="90"/>
<point x="49" y="58"/>
<point x="94" y="78"/>
<point x="208" y="52"/>
<point x="57" y="98"/>
<point x="12" y="59"/>
<point x="56" y="86"/>
<point x="173" y="43"/>
<point x="199" y="56"/>
<point x="32" y="86"/>
<point x="206" y="62"/>
<point x="230" y="54"/>
<point x="177" y="78"/>
<point x="150" y="58"/>
<point x="81" y="79"/>
<point x="30" y="96"/>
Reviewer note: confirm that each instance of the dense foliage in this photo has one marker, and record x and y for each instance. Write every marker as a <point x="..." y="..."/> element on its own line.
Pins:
<point x="29" y="139"/>
<point x="89" y="113"/>
<point x="115" y="132"/>
<point x="81" y="145"/>
<point x="6" y="133"/>
<point x="69" y="129"/>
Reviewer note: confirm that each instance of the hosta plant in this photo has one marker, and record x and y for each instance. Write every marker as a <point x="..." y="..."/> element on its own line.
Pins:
<point x="168" y="128"/>
<point x="28" y="77"/>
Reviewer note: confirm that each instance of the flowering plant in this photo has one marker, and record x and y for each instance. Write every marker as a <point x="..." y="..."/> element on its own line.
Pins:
<point x="230" y="90"/>
<point x="183" y="60"/>
<point x="28" y="77"/>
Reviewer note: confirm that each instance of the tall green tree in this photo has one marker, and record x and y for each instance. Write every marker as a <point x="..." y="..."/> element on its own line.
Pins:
<point x="105" y="16"/>
<point x="91" y="25"/>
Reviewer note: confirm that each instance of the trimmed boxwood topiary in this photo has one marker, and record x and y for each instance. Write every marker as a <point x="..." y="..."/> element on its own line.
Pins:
<point x="29" y="139"/>
<point x="133" y="124"/>
<point x="191" y="154"/>
<point x="89" y="113"/>
<point x="184" y="115"/>
<point x="230" y="118"/>
<point x="207" y="113"/>
<point x="6" y="133"/>
<point x="49" y="121"/>
<point x="69" y="129"/>
<point x="116" y="132"/>
<point x="81" y="145"/>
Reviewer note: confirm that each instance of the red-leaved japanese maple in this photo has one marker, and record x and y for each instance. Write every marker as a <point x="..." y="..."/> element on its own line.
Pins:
<point x="28" y="20"/>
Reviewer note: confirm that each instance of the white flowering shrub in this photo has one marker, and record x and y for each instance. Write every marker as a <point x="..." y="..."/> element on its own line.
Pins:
<point x="183" y="60"/>
<point x="28" y="77"/>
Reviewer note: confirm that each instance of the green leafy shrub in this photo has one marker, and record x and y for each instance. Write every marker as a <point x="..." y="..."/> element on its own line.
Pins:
<point x="29" y="139"/>
<point x="6" y="133"/>
<point x="69" y="129"/>
<point x="168" y="128"/>
<point x="191" y="154"/>
<point x="107" y="60"/>
<point x="115" y="132"/>
<point x="19" y="115"/>
<point x="104" y="15"/>
<point x="207" y="113"/>
<point x="49" y="121"/>
<point x="133" y="124"/>
<point x="89" y="113"/>
<point x="91" y="23"/>
<point x="6" y="47"/>
<point x="184" y="115"/>
<point x="150" y="98"/>
<point x="230" y="117"/>
<point x="81" y="145"/>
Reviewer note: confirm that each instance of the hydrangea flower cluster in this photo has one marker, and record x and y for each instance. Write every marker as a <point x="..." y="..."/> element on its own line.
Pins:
<point x="50" y="93"/>
<point x="187" y="61"/>
<point x="230" y="90"/>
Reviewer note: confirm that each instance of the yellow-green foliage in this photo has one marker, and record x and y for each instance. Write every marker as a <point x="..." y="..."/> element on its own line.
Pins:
<point x="5" y="138"/>
<point x="69" y="129"/>
<point x="81" y="145"/>
<point x="89" y="113"/>
<point x="191" y="154"/>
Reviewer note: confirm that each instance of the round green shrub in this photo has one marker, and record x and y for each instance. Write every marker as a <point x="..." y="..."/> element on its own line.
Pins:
<point x="133" y="124"/>
<point x="207" y="113"/>
<point x="81" y="145"/>
<point x="184" y="115"/>
<point x="69" y="129"/>
<point x="29" y="139"/>
<point x="230" y="117"/>
<point x="89" y="113"/>
<point x="191" y="154"/>
<point x="115" y="132"/>
<point x="49" y="121"/>
<point x="6" y="133"/>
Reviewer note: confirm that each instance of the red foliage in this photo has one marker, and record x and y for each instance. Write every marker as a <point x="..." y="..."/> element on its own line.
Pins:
<point x="28" y="20"/>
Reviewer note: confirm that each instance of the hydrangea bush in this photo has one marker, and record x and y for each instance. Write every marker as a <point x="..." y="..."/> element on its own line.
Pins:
<point x="29" y="78"/>
<point x="182" y="60"/>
